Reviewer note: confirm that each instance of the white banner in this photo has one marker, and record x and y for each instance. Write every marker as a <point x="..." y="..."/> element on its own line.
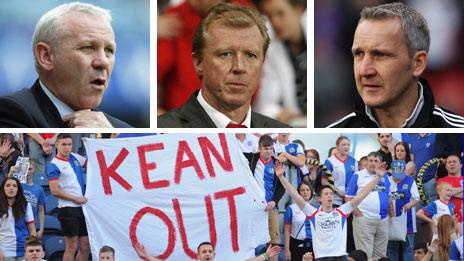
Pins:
<point x="170" y="193"/>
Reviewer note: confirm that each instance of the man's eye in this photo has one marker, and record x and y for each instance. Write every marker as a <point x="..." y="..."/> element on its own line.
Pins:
<point x="251" y="55"/>
<point x="87" y="47"/>
<point x="358" y="54"/>
<point x="109" y="50"/>
<point x="225" y="54"/>
<point x="379" y="54"/>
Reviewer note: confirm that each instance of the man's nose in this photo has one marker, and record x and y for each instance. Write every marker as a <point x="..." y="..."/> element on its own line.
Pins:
<point x="366" y="66"/>
<point x="238" y="64"/>
<point x="102" y="59"/>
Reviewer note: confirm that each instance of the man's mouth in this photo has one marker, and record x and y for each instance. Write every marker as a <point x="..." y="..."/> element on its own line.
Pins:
<point x="369" y="86"/>
<point x="100" y="82"/>
<point x="237" y="85"/>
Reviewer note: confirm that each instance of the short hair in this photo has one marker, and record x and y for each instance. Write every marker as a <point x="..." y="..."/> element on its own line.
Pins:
<point x="378" y="135"/>
<point x="265" y="141"/>
<point x="32" y="241"/>
<point x="231" y="15"/>
<point x="63" y="136"/>
<point x="456" y="155"/>
<point x="443" y="184"/>
<point x="421" y="245"/>
<point x="50" y="28"/>
<point x="106" y="249"/>
<point x="326" y="187"/>
<point x="204" y="244"/>
<point x="339" y="139"/>
<point x="375" y="154"/>
<point x="414" y="25"/>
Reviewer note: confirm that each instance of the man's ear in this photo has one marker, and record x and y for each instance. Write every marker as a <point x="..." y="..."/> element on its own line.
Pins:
<point x="419" y="63"/>
<point x="43" y="52"/>
<point x="300" y="9"/>
<point x="197" y="64"/>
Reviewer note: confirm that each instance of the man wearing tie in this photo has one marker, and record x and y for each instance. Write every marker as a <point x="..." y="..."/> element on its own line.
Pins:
<point x="228" y="53"/>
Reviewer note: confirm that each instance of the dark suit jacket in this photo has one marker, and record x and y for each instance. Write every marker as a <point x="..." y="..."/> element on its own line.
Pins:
<point x="192" y="115"/>
<point x="31" y="108"/>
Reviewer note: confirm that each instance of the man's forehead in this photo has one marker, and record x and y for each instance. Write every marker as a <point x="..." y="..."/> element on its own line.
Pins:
<point x="218" y="30"/>
<point x="378" y="33"/>
<point x="84" y="22"/>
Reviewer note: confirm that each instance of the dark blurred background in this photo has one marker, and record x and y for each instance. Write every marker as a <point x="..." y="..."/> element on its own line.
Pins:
<point x="127" y="96"/>
<point x="335" y="23"/>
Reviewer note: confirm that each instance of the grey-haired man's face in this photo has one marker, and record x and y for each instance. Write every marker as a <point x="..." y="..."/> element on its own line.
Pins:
<point x="82" y="62"/>
<point x="383" y="70"/>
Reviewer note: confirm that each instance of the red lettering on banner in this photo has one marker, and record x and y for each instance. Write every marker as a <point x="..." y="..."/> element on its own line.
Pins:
<point x="211" y="220"/>
<point x="146" y="167"/>
<point x="229" y="195"/>
<point x="183" y="235"/>
<point x="190" y="162"/>
<point x="160" y="214"/>
<point x="208" y="148"/>
<point x="107" y="172"/>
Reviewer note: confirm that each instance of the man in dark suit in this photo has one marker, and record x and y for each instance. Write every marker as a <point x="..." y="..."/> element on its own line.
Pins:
<point x="228" y="52"/>
<point x="74" y="48"/>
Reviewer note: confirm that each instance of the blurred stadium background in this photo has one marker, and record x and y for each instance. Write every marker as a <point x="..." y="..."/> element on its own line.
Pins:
<point x="127" y="97"/>
<point x="335" y="23"/>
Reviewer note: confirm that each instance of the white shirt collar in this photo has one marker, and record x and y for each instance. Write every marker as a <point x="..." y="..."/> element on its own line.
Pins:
<point x="415" y="113"/>
<point x="219" y="119"/>
<point x="62" y="107"/>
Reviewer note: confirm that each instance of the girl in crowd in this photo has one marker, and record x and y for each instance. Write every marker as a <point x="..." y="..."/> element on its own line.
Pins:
<point x="297" y="230"/>
<point x="402" y="152"/>
<point x="16" y="219"/>
<point x="439" y="249"/>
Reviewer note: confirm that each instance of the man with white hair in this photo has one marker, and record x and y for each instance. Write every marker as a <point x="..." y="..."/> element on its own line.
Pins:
<point x="74" y="50"/>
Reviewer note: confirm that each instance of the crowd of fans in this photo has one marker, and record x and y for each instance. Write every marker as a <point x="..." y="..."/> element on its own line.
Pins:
<point x="384" y="224"/>
<point x="377" y="207"/>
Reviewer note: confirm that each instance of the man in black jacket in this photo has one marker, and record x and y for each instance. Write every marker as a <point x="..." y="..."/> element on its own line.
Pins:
<point x="390" y="50"/>
<point x="262" y="167"/>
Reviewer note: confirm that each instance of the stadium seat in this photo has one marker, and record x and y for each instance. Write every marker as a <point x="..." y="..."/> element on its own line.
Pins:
<point x="51" y="205"/>
<point x="40" y="179"/>
<point x="52" y="225"/>
<point x="54" y="247"/>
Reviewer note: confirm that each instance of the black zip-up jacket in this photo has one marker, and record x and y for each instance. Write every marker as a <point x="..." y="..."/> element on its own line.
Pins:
<point x="278" y="187"/>
<point x="430" y="116"/>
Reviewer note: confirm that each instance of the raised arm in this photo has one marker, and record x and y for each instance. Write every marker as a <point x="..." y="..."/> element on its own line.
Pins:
<point x="279" y="171"/>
